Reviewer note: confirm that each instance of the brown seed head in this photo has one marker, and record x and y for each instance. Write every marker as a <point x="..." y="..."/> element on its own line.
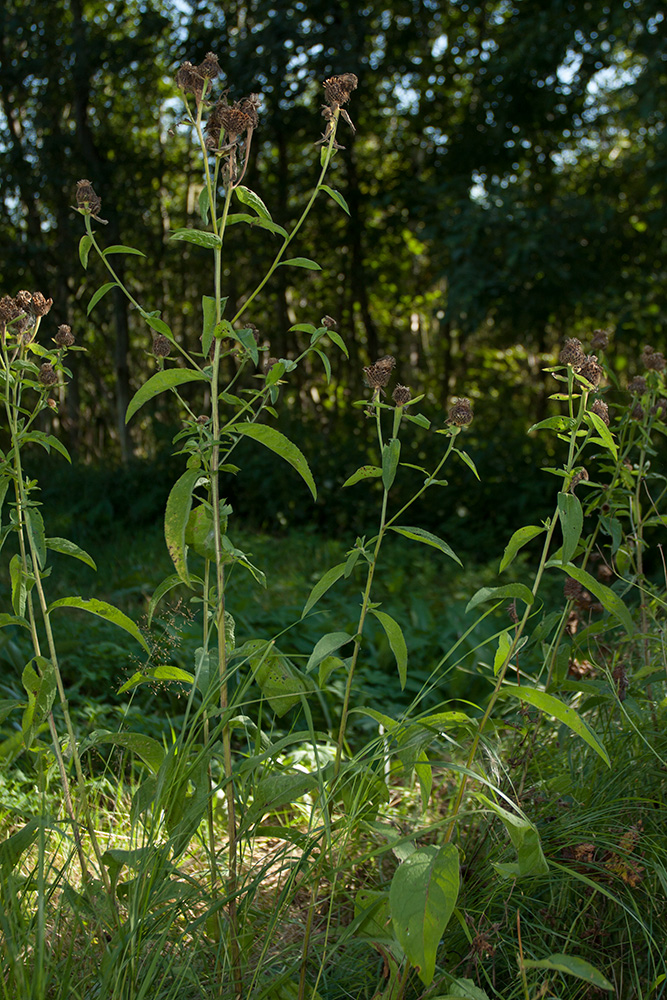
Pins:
<point x="64" y="336"/>
<point x="235" y="119"/>
<point x="379" y="373"/>
<point x="190" y="80"/>
<point x="48" y="375"/>
<point x="337" y="89"/>
<point x="638" y="385"/>
<point x="161" y="345"/>
<point x="655" y="362"/>
<point x="328" y="323"/>
<point x="40" y="305"/>
<point x="602" y="410"/>
<point x="250" y="106"/>
<point x="461" y="413"/>
<point x="24" y="300"/>
<point x="600" y="340"/>
<point x="637" y="412"/>
<point x="401" y="395"/>
<point x="591" y="370"/>
<point x="9" y="310"/>
<point x="572" y="353"/>
<point x="210" y="67"/>
<point x="572" y="589"/>
<point x="86" y="198"/>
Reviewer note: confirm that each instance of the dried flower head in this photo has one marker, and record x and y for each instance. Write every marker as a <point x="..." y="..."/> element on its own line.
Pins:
<point x="461" y="413"/>
<point x="637" y="412"/>
<point x="210" y="67"/>
<point x="379" y="373"/>
<point x="638" y="385"/>
<point x="40" y="304"/>
<point x="591" y="370"/>
<point x="161" y="345"/>
<point x="190" y="80"/>
<point x="24" y="300"/>
<point x="9" y="310"/>
<point x="337" y="89"/>
<point x="600" y="408"/>
<point x="401" y="395"/>
<point x="86" y="198"/>
<point x="600" y="340"/>
<point x="234" y="119"/>
<point x="572" y="353"/>
<point x="328" y="323"/>
<point x="48" y="375"/>
<point x="654" y="362"/>
<point x="64" y="336"/>
<point x="572" y="589"/>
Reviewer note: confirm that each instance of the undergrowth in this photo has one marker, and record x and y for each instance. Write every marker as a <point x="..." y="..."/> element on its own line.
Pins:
<point x="358" y="788"/>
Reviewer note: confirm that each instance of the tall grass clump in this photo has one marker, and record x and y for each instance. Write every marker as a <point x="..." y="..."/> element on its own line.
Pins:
<point x="285" y="839"/>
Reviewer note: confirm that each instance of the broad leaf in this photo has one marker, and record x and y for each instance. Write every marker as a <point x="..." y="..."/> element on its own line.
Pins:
<point x="571" y="966"/>
<point x="153" y="675"/>
<point x="571" y="519"/>
<point x="426" y="538"/>
<point x="422" y="897"/>
<point x="605" y="595"/>
<point x="248" y="197"/>
<point x="520" y="538"/>
<point x="177" y="512"/>
<point x="67" y="548"/>
<point x="397" y="643"/>
<point x="85" y="243"/>
<point x="325" y="646"/>
<point x="200" y="237"/>
<point x="550" y="705"/>
<point x="512" y="590"/>
<point x="102" y="610"/>
<point x="526" y="841"/>
<point x="282" y="446"/>
<point x="391" y="453"/>
<point x="150" y="751"/>
<point x="39" y="681"/>
<point x="365" y="472"/>
<point x="160" y="382"/>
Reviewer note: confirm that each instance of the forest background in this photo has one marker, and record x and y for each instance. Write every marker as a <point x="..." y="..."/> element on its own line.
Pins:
<point x="505" y="189"/>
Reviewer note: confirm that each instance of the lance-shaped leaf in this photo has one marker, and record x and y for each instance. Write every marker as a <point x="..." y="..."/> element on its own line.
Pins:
<point x="200" y="237"/>
<point x="310" y="265"/>
<point x="571" y="519"/>
<point x="605" y="434"/>
<point x="160" y="382"/>
<point x="35" y="525"/>
<point x="520" y="538"/>
<point x="365" y="472"/>
<point x="325" y="646"/>
<point x="526" y="841"/>
<point x="391" y="452"/>
<point x="500" y="593"/>
<point x="337" y="197"/>
<point x="326" y="580"/>
<point x="396" y="641"/>
<point x="85" y="243"/>
<point x="165" y="672"/>
<point x="150" y="751"/>
<point x="248" y="197"/>
<point x="426" y="538"/>
<point x="100" y="293"/>
<point x="120" y="248"/>
<point x="422" y="897"/>
<point x="571" y="965"/>
<point x="67" y="548"/>
<point x="177" y="512"/>
<point x="102" y="610"/>
<point x="281" y="445"/>
<point x="550" y="705"/>
<point x="605" y="595"/>
<point x="39" y="681"/>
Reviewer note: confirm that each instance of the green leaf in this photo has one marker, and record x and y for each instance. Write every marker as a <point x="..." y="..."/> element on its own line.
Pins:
<point x="248" y="197"/>
<point x="336" y="339"/>
<point x="159" y="326"/>
<point x="150" y="751"/>
<point x="19" y="585"/>
<point x="422" y="897"/>
<point x="572" y="521"/>
<point x="152" y="675"/>
<point x="39" y="680"/>
<point x="280" y="682"/>
<point x="160" y="382"/>
<point x="209" y="313"/>
<point x="391" y="453"/>
<point x="465" y="457"/>
<point x="177" y="512"/>
<point x="599" y="425"/>
<point x="67" y="548"/>
<point x="337" y="197"/>
<point x="247" y="338"/>
<point x="85" y="243"/>
<point x="310" y="265"/>
<point x="560" y="424"/>
<point x="325" y="646"/>
<point x="48" y="441"/>
<point x="102" y="610"/>
<point x="559" y="710"/>
<point x="371" y="909"/>
<point x="571" y="966"/>
<point x="276" y="791"/>
<point x="200" y="237"/>
<point x="365" y="472"/>
<point x="426" y="538"/>
<point x="326" y="581"/>
<point x="463" y="989"/>
<point x="605" y="595"/>
<point x="6" y="620"/>
<point x="34" y="523"/>
<point x="100" y="293"/>
<point x="526" y="841"/>
<point x="119" y="248"/>
<point x="163" y="588"/>
<point x="397" y="643"/>
<point x="13" y="847"/>
<point x="499" y="594"/>
<point x="281" y="445"/>
<point x="504" y="646"/>
<point x="520" y="538"/>
<point x="325" y="361"/>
